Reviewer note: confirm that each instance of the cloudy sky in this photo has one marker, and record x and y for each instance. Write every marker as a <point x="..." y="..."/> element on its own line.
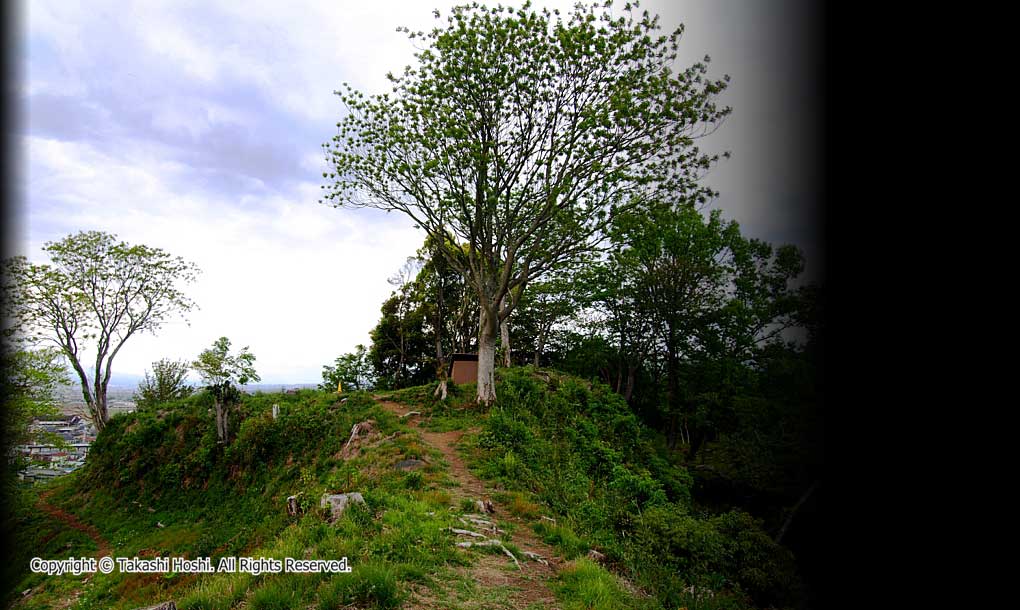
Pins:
<point x="197" y="127"/>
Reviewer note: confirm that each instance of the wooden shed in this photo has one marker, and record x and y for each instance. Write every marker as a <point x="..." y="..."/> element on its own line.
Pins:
<point x="464" y="368"/>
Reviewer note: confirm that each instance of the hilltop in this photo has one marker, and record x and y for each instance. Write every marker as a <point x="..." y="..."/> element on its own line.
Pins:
<point x="580" y="506"/>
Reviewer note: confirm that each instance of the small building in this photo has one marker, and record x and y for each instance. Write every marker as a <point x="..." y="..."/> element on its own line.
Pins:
<point x="464" y="368"/>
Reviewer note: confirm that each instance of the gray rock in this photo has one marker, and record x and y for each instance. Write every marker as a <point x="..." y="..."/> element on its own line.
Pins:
<point x="409" y="464"/>
<point x="170" y="605"/>
<point x="337" y="503"/>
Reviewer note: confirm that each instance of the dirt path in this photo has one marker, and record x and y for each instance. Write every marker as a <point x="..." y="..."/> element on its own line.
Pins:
<point x="72" y="521"/>
<point x="530" y="582"/>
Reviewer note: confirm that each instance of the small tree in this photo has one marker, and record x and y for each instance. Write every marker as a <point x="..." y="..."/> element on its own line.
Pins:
<point x="353" y="369"/>
<point x="166" y="383"/>
<point x="221" y="370"/>
<point x="99" y="290"/>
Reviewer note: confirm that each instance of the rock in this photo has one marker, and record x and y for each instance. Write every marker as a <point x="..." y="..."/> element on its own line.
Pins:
<point x="152" y="510"/>
<point x="485" y="507"/>
<point x="337" y="503"/>
<point x="158" y="524"/>
<point x="596" y="556"/>
<point x="293" y="508"/>
<point x="409" y="464"/>
<point x="26" y="592"/>
<point x="170" y="605"/>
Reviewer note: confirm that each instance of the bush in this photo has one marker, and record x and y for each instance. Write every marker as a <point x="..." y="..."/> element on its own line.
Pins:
<point x="729" y="551"/>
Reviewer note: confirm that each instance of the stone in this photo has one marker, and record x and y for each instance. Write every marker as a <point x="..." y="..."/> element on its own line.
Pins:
<point x="293" y="508"/>
<point x="337" y="503"/>
<point x="409" y="464"/>
<point x="170" y="605"/>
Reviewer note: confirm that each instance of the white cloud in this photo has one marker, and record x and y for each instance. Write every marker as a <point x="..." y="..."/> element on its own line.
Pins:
<point x="299" y="282"/>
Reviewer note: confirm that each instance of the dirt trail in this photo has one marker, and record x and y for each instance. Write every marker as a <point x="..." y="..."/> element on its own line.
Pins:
<point x="529" y="583"/>
<point x="72" y="521"/>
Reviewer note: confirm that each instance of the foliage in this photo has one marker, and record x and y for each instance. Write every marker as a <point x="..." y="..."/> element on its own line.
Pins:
<point x="165" y="384"/>
<point x="96" y="290"/>
<point x="218" y="366"/>
<point x="29" y="380"/>
<point x="727" y="551"/>
<point x="221" y="370"/>
<point x="352" y="368"/>
<point x="521" y="135"/>
<point x="584" y="585"/>
<point x="612" y="485"/>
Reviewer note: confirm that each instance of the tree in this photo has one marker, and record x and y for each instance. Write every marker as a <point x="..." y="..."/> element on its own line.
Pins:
<point x="30" y="378"/>
<point x="677" y="263"/>
<point x="221" y="370"/>
<point x="166" y="383"/>
<point x="522" y="135"/>
<point x="353" y="369"/>
<point x="399" y="352"/>
<point x="97" y="290"/>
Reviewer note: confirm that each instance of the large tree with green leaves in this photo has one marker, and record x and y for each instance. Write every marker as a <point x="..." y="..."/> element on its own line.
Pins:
<point x="520" y="133"/>
<point x="94" y="295"/>
<point x="221" y="370"/>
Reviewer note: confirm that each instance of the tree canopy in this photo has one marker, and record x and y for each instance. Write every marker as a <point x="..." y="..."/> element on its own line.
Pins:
<point x="166" y="382"/>
<point x="94" y="295"/>
<point x="521" y="133"/>
<point x="221" y="370"/>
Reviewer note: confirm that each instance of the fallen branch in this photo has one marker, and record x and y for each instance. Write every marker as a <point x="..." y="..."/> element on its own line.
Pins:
<point x="492" y="542"/>
<point x="465" y="532"/>
<point x="535" y="557"/>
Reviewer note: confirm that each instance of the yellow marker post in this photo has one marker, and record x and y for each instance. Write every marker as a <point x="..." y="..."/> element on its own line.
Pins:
<point x="338" y="388"/>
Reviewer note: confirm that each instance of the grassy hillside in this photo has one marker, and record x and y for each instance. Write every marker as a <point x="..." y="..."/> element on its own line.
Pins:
<point x="567" y="464"/>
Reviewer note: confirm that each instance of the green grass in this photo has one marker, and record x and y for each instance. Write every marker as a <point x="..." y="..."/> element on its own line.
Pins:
<point x="231" y="502"/>
<point x="585" y="585"/>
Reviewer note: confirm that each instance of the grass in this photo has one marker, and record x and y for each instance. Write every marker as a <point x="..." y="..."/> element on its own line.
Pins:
<point x="585" y="585"/>
<point x="234" y="505"/>
<point x="569" y="544"/>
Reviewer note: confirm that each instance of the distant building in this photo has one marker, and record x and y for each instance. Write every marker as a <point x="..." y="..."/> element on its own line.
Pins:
<point x="464" y="368"/>
<point x="77" y="434"/>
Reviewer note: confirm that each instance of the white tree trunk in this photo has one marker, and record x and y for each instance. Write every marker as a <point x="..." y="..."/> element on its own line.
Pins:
<point x="504" y="336"/>
<point x="221" y="422"/>
<point x="486" y="357"/>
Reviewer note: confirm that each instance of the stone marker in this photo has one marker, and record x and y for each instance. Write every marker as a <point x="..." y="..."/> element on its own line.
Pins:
<point x="337" y="503"/>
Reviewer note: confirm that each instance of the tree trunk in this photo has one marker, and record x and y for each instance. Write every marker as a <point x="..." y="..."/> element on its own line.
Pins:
<point x="628" y="391"/>
<point x="487" y="328"/>
<point x="540" y="346"/>
<point x="221" y="421"/>
<point x="441" y="366"/>
<point x="504" y="336"/>
<point x="793" y="511"/>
